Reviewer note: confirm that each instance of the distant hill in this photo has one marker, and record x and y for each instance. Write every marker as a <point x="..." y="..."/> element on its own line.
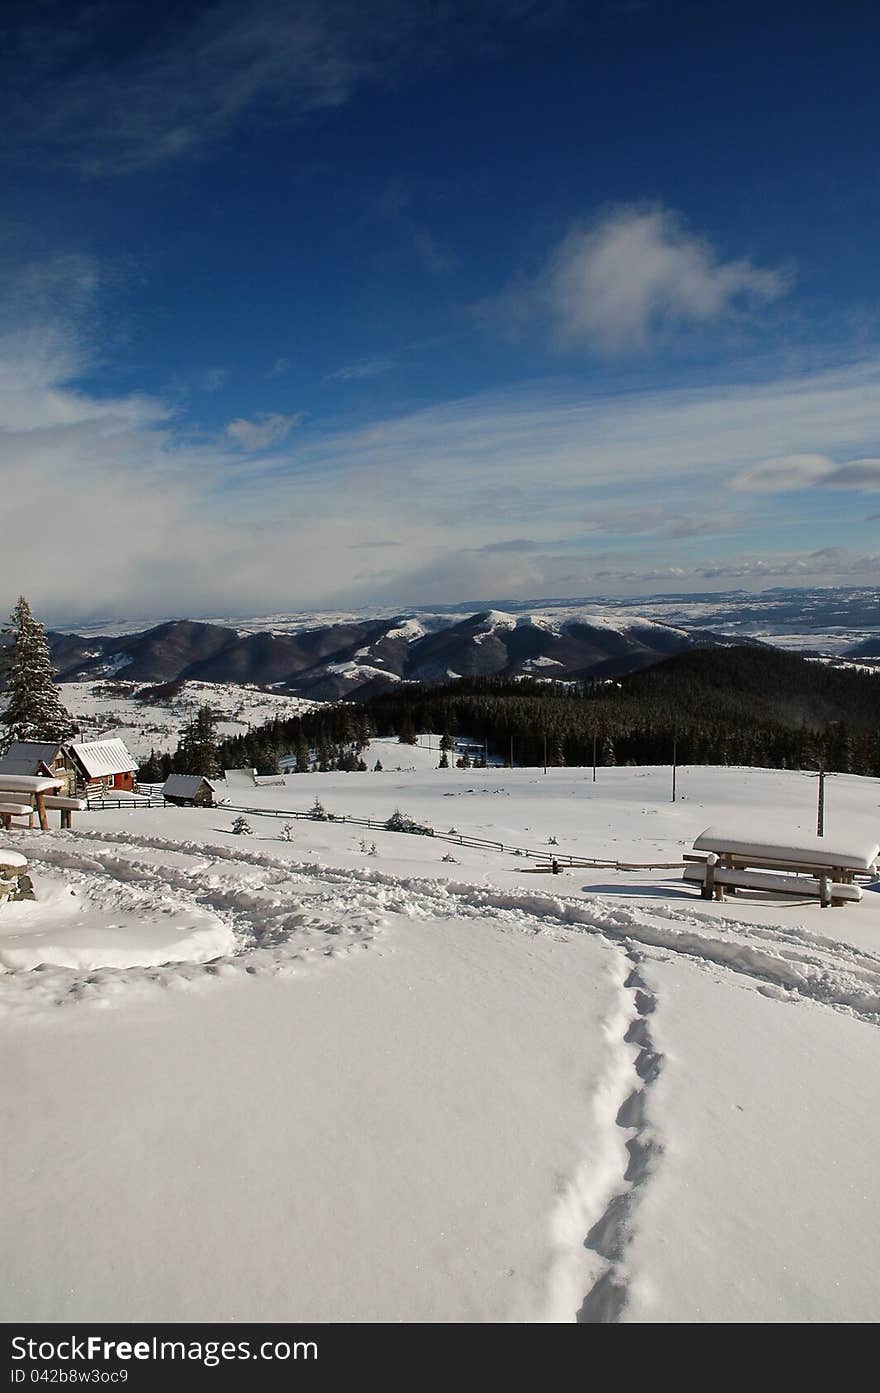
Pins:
<point x="361" y="658"/>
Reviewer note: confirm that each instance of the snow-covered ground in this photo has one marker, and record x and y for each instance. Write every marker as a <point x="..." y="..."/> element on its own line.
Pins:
<point x="343" y="1078"/>
<point x="111" y="708"/>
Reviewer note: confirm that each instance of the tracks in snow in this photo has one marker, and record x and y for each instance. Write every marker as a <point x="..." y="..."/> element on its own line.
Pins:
<point x="609" y="1236"/>
<point x="273" y="903"/>
<point x="287" y="914"/>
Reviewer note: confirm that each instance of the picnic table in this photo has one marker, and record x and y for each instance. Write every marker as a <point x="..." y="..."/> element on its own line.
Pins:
<point x="726" y="858"/>
<point x="24" y="793"/>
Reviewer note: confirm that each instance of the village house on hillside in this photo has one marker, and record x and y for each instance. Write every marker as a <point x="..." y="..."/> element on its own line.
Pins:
<point x="106" y="762"/>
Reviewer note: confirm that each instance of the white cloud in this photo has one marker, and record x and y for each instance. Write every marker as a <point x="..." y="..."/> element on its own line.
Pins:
<point x="792" y="472"/>
<point x="634" y="272"/>
<point x="783" y="474"/>
<point x="108" y="508"/>
<point x="269" y="428"/>
<point x="827" y="566"/>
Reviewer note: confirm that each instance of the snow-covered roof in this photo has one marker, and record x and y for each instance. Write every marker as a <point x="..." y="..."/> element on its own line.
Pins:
<point x="100" y="757"/>
<point x="185" y="785"/>
<point x="23" y="756"/>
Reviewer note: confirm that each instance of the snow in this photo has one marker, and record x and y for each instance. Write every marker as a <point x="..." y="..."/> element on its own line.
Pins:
<point x="92" y="926"/>
<point x="261" y="1079"/>
<point x="28" y="784"/>
<point x="112" y="708"/>
<point x="853" y="851"/>
<point x="101" y="757"/>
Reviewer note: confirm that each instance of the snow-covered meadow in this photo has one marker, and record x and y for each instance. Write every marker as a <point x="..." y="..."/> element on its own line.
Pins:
<point x="111" y="707"/>
<point x="342" y="1077"/>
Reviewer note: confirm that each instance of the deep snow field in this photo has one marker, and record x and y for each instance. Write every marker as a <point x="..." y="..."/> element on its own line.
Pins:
<point x="248" y="1078"/>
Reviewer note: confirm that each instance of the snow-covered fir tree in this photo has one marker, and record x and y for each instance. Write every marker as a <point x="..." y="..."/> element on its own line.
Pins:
<point x="34" y="709"/>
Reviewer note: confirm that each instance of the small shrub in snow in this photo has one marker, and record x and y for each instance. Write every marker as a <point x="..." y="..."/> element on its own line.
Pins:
<point x="287" y="832"/>
<point x="319" y="812"/>
<point x="449" y="857"/>
<point x="242" y="828"/>
<point x="402" y="822"/>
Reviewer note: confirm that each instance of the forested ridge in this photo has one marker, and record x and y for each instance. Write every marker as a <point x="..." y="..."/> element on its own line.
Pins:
<point x="735" y="705"/>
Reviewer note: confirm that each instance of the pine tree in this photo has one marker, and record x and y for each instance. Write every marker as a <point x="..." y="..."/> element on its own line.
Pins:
<point x="197" y="748"/>
<point x="34" y="710"/>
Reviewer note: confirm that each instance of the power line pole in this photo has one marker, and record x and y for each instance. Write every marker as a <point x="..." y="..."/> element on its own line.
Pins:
<point x="820" y="819"/>
<point x="595" y="738"/>
<point x="674" y="763"/>
<point x="545" y="752"/>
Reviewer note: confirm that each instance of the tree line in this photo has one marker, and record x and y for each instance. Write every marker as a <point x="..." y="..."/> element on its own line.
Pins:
<point x="740" y="705"/>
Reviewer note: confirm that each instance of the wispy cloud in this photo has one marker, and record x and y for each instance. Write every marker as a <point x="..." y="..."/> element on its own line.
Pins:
<point x="269" y="428"/>
<point x="792" y="472"/>
<point x="86" y="86"/>
<point x="120" y="108"/>
<point x="632" y="274"/>
<point x="360" y="371"/>
<point x="485" y="495"/>
<point x="828" y="565"/>
<point x="432" y="254"/>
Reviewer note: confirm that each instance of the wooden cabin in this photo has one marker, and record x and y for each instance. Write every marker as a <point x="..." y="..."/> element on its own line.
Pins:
<point x="104" y="763"/>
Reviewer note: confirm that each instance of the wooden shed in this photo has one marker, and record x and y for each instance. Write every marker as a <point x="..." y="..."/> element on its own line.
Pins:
<point x="189" y="790"/>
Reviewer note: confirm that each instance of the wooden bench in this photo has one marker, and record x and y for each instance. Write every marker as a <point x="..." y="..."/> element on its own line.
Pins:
<point x="731" y="860"/>
<point x="714" y="880"/>
<point x="66" y="806"/>
<point x="35" y="787"/>
<point x="9" y="810"/>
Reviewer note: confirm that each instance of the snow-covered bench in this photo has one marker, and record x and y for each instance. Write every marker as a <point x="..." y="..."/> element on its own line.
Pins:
<point x="727" y="859"/>
<point x="67" y="807"/>
<point x="34" y="787"/>
<point x="21" y="805"/>
<point x="713" y="878"/>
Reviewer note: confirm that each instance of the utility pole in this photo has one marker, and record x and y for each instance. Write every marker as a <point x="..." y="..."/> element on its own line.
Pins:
<point x="674" y="762"/>
<point x="595" y="738"/>
<point x="511" y="751"/>
<point x="545" y="752"/>
<point x="820" y="820"/>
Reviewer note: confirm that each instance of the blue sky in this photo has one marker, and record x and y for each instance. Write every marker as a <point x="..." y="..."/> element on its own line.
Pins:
<point x="347" y="304"/>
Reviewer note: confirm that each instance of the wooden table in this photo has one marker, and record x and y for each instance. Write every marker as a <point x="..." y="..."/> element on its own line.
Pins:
<point x="747" y="861"/>
<point x="35" y="786"/>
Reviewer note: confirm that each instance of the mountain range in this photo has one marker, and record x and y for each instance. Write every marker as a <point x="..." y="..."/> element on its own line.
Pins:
<point x="361" y="658"/>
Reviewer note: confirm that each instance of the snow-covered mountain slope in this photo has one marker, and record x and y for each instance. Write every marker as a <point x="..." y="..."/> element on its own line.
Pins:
<point x="417" y="1088"/>
<point x="364" y="657"/>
